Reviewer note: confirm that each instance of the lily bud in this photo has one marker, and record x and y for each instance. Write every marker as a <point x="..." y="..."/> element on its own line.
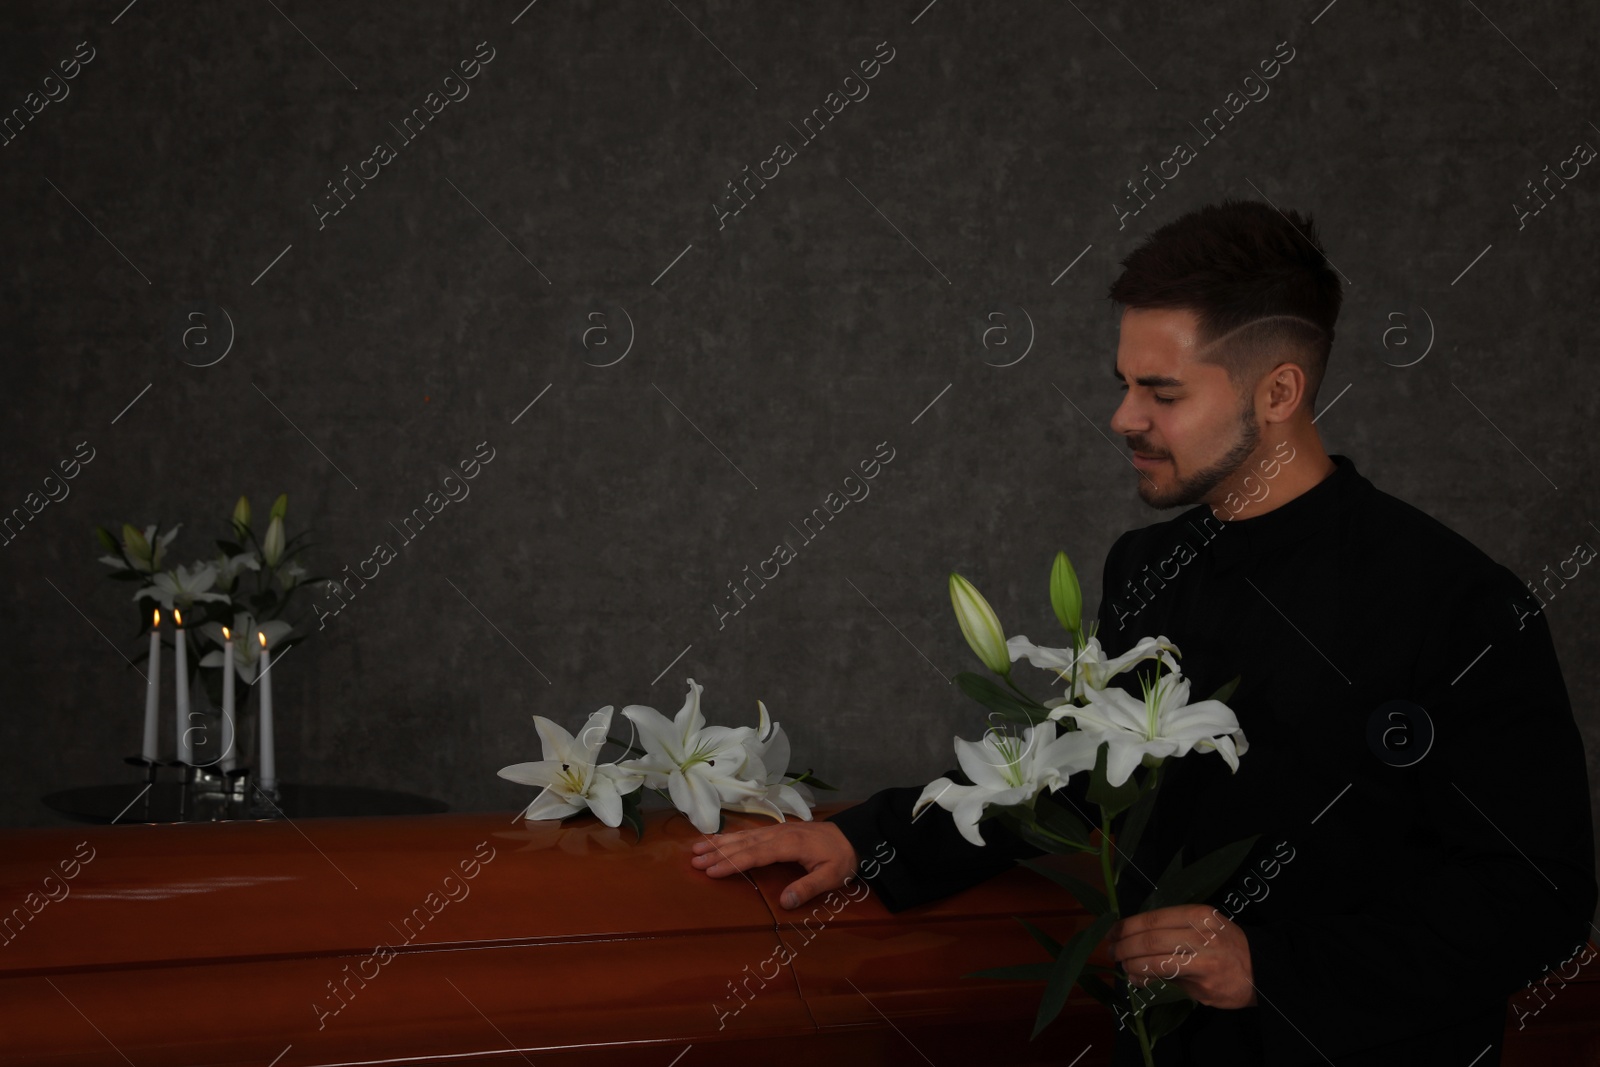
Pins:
<point x="108" y="542"/>
<point x="272" y="544"/>
<point x="134" y="544"/>
<point x="979" y="625"/>
<point x="241" y="516"/>
<point x="1066" y="596"/>
<point x="280" y="506"/>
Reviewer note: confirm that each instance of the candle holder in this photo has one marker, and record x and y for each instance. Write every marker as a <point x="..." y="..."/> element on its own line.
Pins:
<point x="262" y="803"/>
<point x="149" y="765"/>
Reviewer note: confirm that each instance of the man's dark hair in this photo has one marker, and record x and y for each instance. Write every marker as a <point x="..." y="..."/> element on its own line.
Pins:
<point x="1242" y="264"/>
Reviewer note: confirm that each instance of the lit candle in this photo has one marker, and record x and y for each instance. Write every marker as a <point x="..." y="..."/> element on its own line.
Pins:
<point x="268" y="773"/>
<point x="185" y="750"/>
<point x="152" y="691"/>
<point x="227" y="700"/>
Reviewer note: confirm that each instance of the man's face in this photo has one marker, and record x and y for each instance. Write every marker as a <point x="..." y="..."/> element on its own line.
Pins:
<point x="1182" y="413"/>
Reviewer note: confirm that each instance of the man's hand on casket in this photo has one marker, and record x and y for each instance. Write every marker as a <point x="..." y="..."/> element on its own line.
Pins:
<point x="820" y="847"/>
<point x="1191" y="945"/>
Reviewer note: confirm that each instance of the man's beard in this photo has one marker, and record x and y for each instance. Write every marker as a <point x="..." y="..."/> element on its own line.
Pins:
<point x="1188" y="491"/>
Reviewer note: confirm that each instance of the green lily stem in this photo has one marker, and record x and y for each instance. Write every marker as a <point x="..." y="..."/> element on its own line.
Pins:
<point x="1105" y="863"/>
<point x="1080" y="846"/>
<point x="1144" y="1040"/>
<point x="1116" y="909"/>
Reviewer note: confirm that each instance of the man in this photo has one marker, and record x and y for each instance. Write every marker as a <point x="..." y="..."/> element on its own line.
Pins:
<point x="1414" y="771"/>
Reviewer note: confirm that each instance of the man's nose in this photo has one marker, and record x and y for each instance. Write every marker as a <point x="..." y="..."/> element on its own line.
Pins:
<point x="1124" y="420"/>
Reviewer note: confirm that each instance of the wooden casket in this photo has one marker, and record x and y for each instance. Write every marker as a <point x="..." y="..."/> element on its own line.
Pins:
<point x="474" y="939"/>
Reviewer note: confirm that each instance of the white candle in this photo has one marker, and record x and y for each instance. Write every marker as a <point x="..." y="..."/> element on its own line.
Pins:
<point x="268" y="773"/>
<point x="228" y="725"/>
<point x="185" y="749"/>
<point x="152" y="691"/>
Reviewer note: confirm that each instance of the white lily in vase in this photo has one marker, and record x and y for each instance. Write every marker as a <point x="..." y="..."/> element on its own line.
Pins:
<point x="1005" y="770"/>
<point x="703" y="768"/>
<point x="570" y="779"/>
<point x="246" y="646"/>
<point x="140" y="551"/>
<point x="230" y="567"/>
<point x="182" y="587"/>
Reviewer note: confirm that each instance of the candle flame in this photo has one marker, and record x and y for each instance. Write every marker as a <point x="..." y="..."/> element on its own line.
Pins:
<point x="226" y="636"/>
<point x="263" y="638"/>
<point x="177" y="616"/>
<point x="157" y="622"/>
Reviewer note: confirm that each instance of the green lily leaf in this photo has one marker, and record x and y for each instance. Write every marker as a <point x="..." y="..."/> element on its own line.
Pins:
<point x="1048" y="943"/>
<point x="990" y="695"/>
<point x="1192" y="884"/>
<point x="1014" y="817"/>
<point x="1068" y="966"/>
<point x="631" y="816"/>
<point x="1133" y="826"/>
<point x="1225" y="690"/>
<point x="1162" y="1019"/>
<point x="1060" y="819"/>
<point x="1087" y="895"/>
<point x="812" y="780"/>
<point x="1098" y="989"/>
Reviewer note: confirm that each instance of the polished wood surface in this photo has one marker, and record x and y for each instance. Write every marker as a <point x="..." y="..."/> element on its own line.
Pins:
<point x="473" y="939"/>
<point x="343" y="941"/>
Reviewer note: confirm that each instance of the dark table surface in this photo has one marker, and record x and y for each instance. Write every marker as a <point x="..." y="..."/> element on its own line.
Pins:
<point x="128" y="803"/>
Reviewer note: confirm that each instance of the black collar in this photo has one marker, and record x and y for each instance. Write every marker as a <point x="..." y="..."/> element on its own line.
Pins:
<point x="1240" y="540"/>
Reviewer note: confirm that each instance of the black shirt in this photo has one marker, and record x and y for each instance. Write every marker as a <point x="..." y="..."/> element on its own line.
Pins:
<point x="1437" y="859"/>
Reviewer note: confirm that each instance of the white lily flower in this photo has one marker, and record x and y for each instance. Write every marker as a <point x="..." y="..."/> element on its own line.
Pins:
<point x="230" y="567"/>
<point x="1095" y="671"/>
<point x="570" y="779"/>
<point x="272" y="545"/>
<point x="703" y="767"/>
<point x="1005" y="769"/>
<point x="182" y="587"/>
<point x="137" y="550"/>
<point x="771" y="745"/>
<point x="291" y="574"/>
<point x="1163" y="724"/>
<point x="979" y="625"/>
<point x="246" y="646"/>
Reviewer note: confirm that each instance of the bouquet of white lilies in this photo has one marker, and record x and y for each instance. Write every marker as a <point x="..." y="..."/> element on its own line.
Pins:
<point x="1121" y="742"/>
<point x="704" y="770"/>
<point x="213" y="593"/>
